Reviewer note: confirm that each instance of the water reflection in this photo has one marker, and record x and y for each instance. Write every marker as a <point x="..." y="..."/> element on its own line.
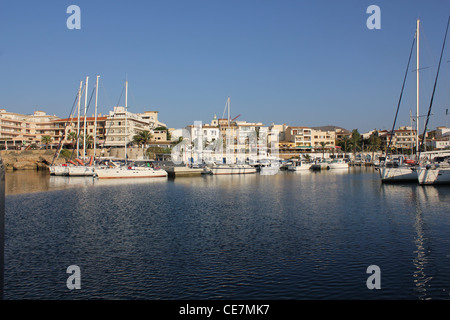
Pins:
<point x="19" y="182"/>
<point x="24" y="181"/>
<point x="293" y="235"/>
<point x="425" y="204"/>
<point x="421" y="259"/>
<point x="125" y="181"/>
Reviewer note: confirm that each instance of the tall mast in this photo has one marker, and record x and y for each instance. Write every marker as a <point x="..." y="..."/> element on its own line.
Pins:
<point x="229" y="112"/>
<point x="85" y="110"/>
<point x="126" y="118"/>
<point x="417" y="88"/>
<point x="95" y="117"/>
<point x="78" y="122"/>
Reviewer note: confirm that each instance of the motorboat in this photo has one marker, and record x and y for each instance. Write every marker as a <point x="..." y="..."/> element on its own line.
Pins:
<point x="338" y="164"/>
<point x="299" y="165"/>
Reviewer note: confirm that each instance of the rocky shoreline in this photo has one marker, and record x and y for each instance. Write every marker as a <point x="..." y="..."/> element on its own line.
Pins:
<point x="28" y="159"/>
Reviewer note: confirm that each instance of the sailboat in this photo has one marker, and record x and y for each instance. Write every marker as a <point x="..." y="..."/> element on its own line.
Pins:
<point x="435" y="173"/>
<point x="84" y="169"/>
<point x="63" y="169"/>
<point x="133" y="170"/>
<point x="231" y="168"/>
<point x="401" y="171"/>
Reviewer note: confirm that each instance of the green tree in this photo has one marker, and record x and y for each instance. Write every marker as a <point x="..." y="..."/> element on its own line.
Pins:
<point x="137" y="139"/>
<point x="89" y="140"/>
<point x="72" y="136"/>
<point x="143" y="137"/>
<point x="374" y="143"/>
<point x="344" y="143"/>
<point x="46" y="140"/>
<point x="355" y="141"/>
<point x="323" y="145"/>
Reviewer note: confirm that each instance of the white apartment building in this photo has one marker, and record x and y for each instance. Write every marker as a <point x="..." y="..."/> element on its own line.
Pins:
<point x="18" y="130"/>
<point x="122" y="126"/>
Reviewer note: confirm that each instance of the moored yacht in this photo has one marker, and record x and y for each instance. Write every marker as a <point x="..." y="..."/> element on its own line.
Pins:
<point x="273" y="167"/>
<point x="337" y="164"/>
<point x="59" y="170"/>
<point x="299" y="165"/>
<point x="114" y="170"/>
<point x="398" y="171"/>
<point x="434" y="174"/>
<point x="223" y="169"/>
<point x="81" y="171"/>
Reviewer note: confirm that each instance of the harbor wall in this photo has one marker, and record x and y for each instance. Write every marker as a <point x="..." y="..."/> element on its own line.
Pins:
<point x="28" y="159"/>
<point x="41" y="159"/>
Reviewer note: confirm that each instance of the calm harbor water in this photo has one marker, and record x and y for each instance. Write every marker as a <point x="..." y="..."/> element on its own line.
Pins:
<point x="305" y="235"/>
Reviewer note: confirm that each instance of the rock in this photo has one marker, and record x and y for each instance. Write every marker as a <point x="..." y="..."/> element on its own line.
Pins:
<point x="25" y="165"/>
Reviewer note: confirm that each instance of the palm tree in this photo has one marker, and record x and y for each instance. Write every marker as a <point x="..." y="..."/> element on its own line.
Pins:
<point x="374" y="143"/>
<point x="355" y="141"/>
<point x="46" y="140"/>
<point x="143" y="137"/>
<point x="146" y="137"/>
<point x="72" y="136"/>
<point x="89" y="140"/>
<point x="137" y="139"/>
<point x="323" y="145"/>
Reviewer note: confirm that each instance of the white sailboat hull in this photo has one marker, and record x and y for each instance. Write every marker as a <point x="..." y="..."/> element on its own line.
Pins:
<point x="232" y="169"/>
<point x="81" y="171"/>
<point x="129" y="172"/>
<point x="433" y="175"/>
<point x="397" y="174"/>
<point x="299" y="168"/>
<point x="59" y="170"/>
<point x="338" y="166"/>
<point x="269" y="170"/>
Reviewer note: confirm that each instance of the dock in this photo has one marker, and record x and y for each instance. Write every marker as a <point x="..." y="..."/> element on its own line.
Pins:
<point x="319" y="166"/>
<point x="183" y="171"/>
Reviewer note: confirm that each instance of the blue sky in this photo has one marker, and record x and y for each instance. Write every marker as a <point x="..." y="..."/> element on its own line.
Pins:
<point x="297" y="62"/>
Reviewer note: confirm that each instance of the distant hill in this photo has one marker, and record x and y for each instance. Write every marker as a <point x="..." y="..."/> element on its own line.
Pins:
<point x="330" y="128"/>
